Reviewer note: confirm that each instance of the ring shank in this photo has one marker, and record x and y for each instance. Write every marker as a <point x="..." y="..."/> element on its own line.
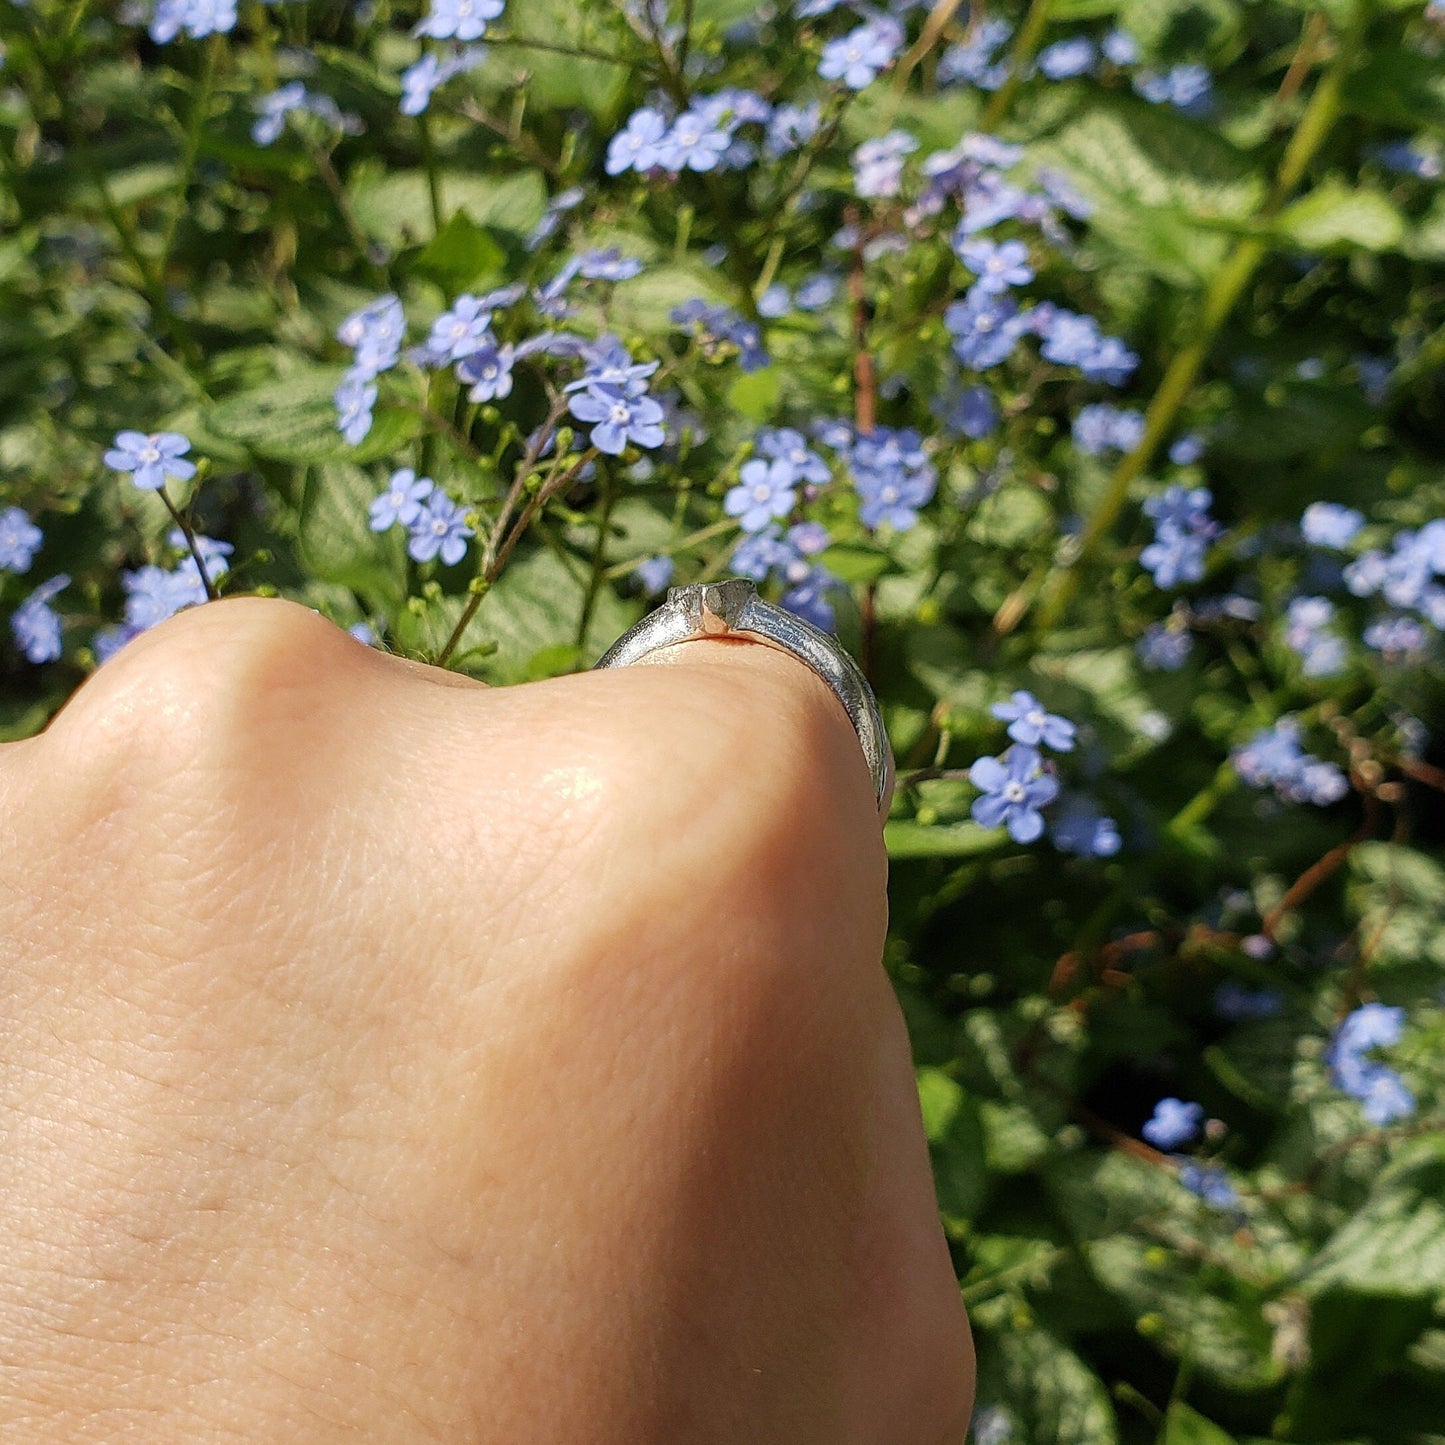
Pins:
<point x="759" y="621"/>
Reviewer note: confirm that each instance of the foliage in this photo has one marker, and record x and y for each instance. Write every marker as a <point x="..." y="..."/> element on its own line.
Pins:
<point x="1081" y="365"/>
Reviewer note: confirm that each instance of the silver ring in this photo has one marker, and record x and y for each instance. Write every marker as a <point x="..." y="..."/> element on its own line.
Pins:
<point x="732" y="608"/>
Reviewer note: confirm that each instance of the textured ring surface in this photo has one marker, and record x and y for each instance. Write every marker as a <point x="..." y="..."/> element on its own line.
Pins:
<point x="732" y="608"/>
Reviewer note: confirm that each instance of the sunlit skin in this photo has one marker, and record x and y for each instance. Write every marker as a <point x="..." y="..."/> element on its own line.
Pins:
<point x="386" y="1057"/>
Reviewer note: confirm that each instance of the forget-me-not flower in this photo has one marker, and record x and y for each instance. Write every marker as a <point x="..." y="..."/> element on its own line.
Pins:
<point x="617" y="419"/>
<point x="36" y="625"/>
<point x="440" y="529"/>
<point x="20" y="540"/>
<point x="152" y="458"/>
<point x="765" y="490"/>
<point x="856" y="58"/>
<point x="1029" y="722"/>
<point x="1173" y="1122"/>
<point x="401" y="501"/>
<point x="459" y="19"/>
<point x="489" y="370"/>
<point x="1013" y="789"/>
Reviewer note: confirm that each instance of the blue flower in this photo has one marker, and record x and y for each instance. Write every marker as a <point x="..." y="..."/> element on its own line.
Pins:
<point x="610" y="364"/>
<point x="893" y="476"/>
<point x="760" y="553"/>
<point x="654" y="574"/>
<point x="1163" y="648"/>
<point x="374" y="333"/>
<point x="422" y="79"/>
<point x="1120" y="48"/>
<point x="20" y="540"/>
<point x="991" y="1426"/>
<point x="720" y="324"/>
<point x="459" y="19"/>
<point x="1013" y="789"/>
<point x="197" y="18"/>
<point x="974" y="60"/>
<point x="786" y="445"/>
<point x="1065" y="58"/>
<point x="791" y="126"/>
<point x="1329" y="524"/>
<point x="152" y="458"/>
<point x="618" y="418"/>
<point x="1081" y="829"/>
<point x="1274" y="757"/>
<point x="637" y="146"/>
<point x="878" y="164"/>
<point x="1186" y="87"/>
<point x="985" y="328"/>
<point x="857" y="57"/>
<point x="692" y="143"/>
<point x="1322" y="653"/>
<point x="355" y="398"/>
<point x="1396" y="636"/>
<point x="1174" y="1122"/>
<point x="36" y="625"/>
<point x="489" y="370"/>
<point x="440" y="528"/>
<point x="1210" y="1183"/>
<point x="1186" y="450"/>
<point x="1378" y="1087"/>
<point x="460" y="331"/>
<point x="273" y="109"/>
<point x="765" y="490"/>
<point x="1030" y="723"/>
<point x="1183" y="530"/>
<point x="401" y="501"/>
<point x="971" y="411"/>
<point x="1100" y="428"/>
<point x="805" y="594"/>
<point x="608" y="265"/>
<point x="997" y="264"/>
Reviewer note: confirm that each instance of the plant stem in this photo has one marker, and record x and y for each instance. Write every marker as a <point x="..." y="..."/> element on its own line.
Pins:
<point x="194" y="547"/>
<point x="1023" y="50"/>
<point x="1224" y="291"/>
<point x="196" y="123"/>
<point x="492" y="553"/>
<point x="433" y="172"/>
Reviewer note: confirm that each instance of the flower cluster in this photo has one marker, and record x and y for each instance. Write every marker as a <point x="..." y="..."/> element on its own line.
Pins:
<point x="1274" y="757"/>
<point x="1183" y="531"/>
<point x="1382" y="1093"/>
<point x="436" y="526"/>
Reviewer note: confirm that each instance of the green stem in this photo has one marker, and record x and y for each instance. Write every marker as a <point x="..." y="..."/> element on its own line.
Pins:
<point x="195" y="124"/>
<point x="1224" y="292"/>
<point x="433" y="172"/>
<point x="1023" y="50"/>
<point x="599" y="552"/>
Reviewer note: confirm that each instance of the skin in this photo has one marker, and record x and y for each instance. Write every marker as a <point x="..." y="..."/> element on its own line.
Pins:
<point x="387" y="1057"/>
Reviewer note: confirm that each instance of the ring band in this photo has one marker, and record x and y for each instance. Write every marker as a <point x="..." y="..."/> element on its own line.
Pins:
<point x="733" y="609"/>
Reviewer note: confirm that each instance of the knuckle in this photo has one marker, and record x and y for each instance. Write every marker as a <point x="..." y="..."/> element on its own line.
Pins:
<point x="196" y="688"/>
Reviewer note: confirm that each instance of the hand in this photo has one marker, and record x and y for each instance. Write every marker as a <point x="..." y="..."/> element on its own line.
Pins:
<point x="387" y="1057"/>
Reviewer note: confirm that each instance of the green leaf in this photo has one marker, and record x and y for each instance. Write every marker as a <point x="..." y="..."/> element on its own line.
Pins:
<point x="1400" y="86"/>
<point x="1183" y="1426"/>
<point x="533" y="608"/>
<point x="338" y="546"/>
<point x="1165" y="189"/>
<point x="294" y="420"/>
<point x="1054" y="1398"/>
<point x="1335" y="216"/>
<point x="395" y="208"/>
<point x="1395" y="1244"/>
<point x="856" y="564"/>
<point x="906" y="838"/>
<point x="461" y="255"/>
